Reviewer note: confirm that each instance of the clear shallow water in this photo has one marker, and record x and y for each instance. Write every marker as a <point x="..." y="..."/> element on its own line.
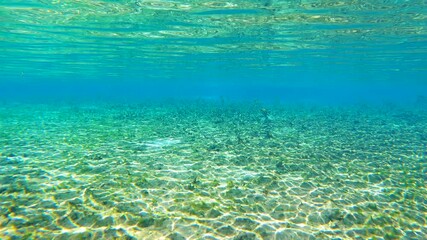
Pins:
<point x="289" y="42"/>
<point x="213" y="120"/>
<point x="204" y="170"/>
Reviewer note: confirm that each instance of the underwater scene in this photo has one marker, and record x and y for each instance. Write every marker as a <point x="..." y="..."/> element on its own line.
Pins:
<point x="213" y="119"/>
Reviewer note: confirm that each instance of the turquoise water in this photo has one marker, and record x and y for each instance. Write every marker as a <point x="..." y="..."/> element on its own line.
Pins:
<point x="257" y="119"/>
<point x="217" y="48"/>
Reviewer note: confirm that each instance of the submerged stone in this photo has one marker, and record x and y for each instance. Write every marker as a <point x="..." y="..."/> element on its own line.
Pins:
<point x="213" y="213"/>
<point x="208" y="237"/>
<point x="332" y="215"/>
<point x="317" y="193"/>
<point x="41" y="220"/>
<point x="105" y="222"/>
<point x="266" y="231"/>
<point x="226" y="230"/>
<point x="298" y="219"/>
<point x="316" y="218"/>
<point x="277" y="214"/>
<point x="356" y="184"/>
<point x="128" y="207"/>
<point x="18" y="222"/>
<point x="360" y="218"/>
<point x="146" y="222"/>
<point x="82" y="235"/>
<point x="307" y="185"/>
<point x="245" y="223"/>
<point x="375" y="178"/>
<point x="349" y="220"/>
<point x="111" y="233"/>
<point x="360" y="231"/>
<point x="245" y="236"/>
<point x="64" y="236"/>
<point x="235" y="193"/>
<point x="293" y="234"/>
<point x="263" y="180"/>
<point x="89" y="220"/>
<point x="47" y="204"/>
<point x="298" y="191"/>
<point x="176" y="236"/>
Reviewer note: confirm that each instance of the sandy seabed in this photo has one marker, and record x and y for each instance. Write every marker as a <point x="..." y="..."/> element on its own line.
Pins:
<point x="212" y="170"/>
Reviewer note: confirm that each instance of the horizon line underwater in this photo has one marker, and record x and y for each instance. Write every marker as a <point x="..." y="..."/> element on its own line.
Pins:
<point x="242" y="120"/>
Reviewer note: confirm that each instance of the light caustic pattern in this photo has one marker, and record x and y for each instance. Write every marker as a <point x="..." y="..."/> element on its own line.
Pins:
<point x="201" y="170"/>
